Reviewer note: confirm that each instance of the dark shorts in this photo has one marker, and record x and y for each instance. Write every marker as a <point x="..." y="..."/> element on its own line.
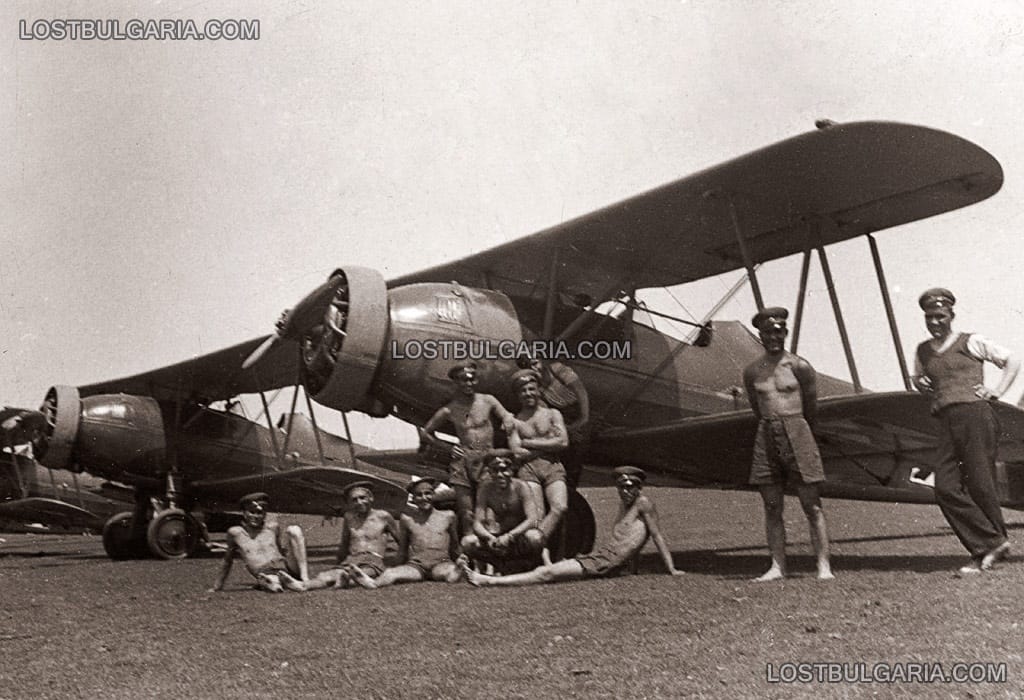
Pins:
<point x="426" y="561"/>
<point x="467" y="471"/>
<point x="542" y="471"/>
<point x="785" y="448"/>
<point x="604" y="562"/>
<point x="372" y="564"/>
<point x="518" y="548"/>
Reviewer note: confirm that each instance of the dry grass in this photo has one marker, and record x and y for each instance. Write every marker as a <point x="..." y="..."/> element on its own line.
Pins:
<point x="77" y="625"/>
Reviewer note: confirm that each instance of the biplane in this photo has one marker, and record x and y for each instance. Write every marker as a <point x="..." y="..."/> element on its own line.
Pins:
<point x="672" y="406"/>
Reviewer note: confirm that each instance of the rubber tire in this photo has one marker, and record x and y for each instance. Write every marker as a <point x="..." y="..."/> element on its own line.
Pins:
<point x="118" y="541"/>
<point x="580" y="526"/>
<point x="172" y="534"/>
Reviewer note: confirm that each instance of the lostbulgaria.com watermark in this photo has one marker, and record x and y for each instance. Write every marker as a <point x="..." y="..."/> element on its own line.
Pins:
<point x="464" y="349"/>
<point x="905" y="672"/>
<point x="138" y="30"/>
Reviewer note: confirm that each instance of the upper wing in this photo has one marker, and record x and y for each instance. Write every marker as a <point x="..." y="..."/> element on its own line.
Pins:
<point x="315" y="490"/>
<point x="851" y="178"/>
<point x="861" y="177"/>
<point x="869" y="443"/>
<point x="215" y="376"/>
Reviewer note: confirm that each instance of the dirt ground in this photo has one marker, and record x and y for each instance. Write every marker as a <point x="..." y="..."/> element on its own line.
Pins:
<point x="74" y="624"/>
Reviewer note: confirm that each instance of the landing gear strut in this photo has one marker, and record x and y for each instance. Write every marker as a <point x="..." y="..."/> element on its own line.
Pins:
<point x="156" y="527"/>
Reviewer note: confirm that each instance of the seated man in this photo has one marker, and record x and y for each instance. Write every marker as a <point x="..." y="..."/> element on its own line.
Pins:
<point x="471" y="414"/>
<point x="428" y="542"/>
<point x="637" y="520"/>
<point x="364" y="541"/>
<point x="506" y="517"/>
<point x="537" y="437"/>
<point x="266" y="553"/>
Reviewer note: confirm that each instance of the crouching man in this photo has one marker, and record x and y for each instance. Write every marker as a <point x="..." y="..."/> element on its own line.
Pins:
<point x="505" y="520"/>
<point x="637" y="520"/>
<point x="267" y="553"/>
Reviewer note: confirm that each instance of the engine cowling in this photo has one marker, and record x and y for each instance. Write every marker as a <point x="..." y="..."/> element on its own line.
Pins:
<point x="374" y="350"/>
<point x="110" y="435"/>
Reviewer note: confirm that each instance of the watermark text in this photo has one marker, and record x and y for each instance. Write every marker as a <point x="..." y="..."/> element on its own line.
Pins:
<point x="138" y="30"/>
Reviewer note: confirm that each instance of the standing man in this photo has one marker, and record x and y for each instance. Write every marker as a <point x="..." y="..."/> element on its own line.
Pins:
<point x="562" y="389"/>
<point x="470" y="414"/>
<point x="782" y="390"/>
<point x="950" y="367"/>
<point x="537" y="439"/>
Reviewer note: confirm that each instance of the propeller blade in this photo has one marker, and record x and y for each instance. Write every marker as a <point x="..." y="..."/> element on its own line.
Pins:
<point x="262" y="350"/>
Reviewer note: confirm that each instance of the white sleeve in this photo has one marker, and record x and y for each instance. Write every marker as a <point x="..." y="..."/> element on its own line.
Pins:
<point x="981" y="348"/>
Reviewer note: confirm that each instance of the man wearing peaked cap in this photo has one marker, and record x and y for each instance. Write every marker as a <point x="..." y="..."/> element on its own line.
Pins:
<point x="630" y="474"/>
<point x="936" y="298"/>
<point x="782" y="390"/>
<point x="950" y="367"/>
<point x="637" y="520"/>
<point x="251" y="499"/>
<point x="472" y="414"/>
<point x="364" y="542"/>
<point x="468" y="369"/>
<point x="270" y="555"/>
<point x="537" y="439"/>
<point x="505" y="530"/>
<point x="428" y="543"/>
<point x="771" y="317"/>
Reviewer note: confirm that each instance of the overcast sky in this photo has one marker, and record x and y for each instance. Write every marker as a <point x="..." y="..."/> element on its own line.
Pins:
<point x="165" y="199"/>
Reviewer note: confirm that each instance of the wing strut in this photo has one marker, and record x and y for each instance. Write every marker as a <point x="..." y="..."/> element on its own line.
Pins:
<point x="747" y="261"/>
<point x="800" y="298"/>
<point x="827" y="271"/>
<point x="316" y="429"/>
<point x="888" y="311"/>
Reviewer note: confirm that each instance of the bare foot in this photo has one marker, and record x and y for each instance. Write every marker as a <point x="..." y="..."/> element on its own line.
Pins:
<point x="270" y="583"/>
<point x="290" y="582"/>
<point x="477" y="579"/>
<point x="773" y="574"/>
<point x="825" y="574"/>
<point x="995" y="555"/>
<point x="361" y="577"/>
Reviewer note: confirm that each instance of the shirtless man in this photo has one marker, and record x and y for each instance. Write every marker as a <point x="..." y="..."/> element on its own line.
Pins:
<point x="537" y="437"/>
<point x="364" y="540"/>
<point x="471" y="414"/>
<point x="637" y="520"/>
<point x="428" y="541"/>
<point x="506" y="517"/>
<point x="782" y="391"/>
<point x="266" y="553"/>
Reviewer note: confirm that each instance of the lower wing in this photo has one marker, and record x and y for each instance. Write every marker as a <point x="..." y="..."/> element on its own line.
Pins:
<point x="870" y="444"/>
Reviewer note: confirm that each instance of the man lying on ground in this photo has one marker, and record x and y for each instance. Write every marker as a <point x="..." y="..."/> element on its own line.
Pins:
<point x="267" y="553"/>
<point x="637" y="520"/>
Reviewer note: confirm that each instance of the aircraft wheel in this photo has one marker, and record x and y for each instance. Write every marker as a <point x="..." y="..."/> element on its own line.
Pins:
<point x="173" y="534"/>
<point x="580" y="526"/>
<point x="119" y="541"/>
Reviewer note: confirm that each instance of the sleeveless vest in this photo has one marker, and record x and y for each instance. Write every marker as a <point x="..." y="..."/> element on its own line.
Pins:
<point x="954" y="373"/>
